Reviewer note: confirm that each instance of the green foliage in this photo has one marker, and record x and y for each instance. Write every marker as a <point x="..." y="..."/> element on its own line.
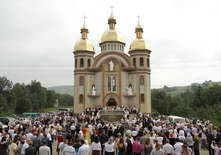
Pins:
<point x="65" y="100"/>
<point x="196" y="102"/>
<point x="24" y="98"/>
<point x="2" y="103"/>
<point x="169" y="89"/>
<point x="23" y="105"/>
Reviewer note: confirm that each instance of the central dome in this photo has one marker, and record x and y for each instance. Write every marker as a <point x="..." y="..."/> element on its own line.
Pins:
<point x="112" y="35"/>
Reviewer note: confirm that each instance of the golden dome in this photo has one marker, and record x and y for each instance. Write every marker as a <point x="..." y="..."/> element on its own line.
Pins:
<point x="112" y="17"/>
<point x="139" y="26"/>
<point x="112" y="35"/>
<point x="139" y="44"/>
<point x="84" y="45"/>
<point x="84" y="26"/>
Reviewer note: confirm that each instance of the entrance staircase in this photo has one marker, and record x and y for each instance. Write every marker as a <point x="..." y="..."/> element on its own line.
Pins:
<point x="111" y="115"/>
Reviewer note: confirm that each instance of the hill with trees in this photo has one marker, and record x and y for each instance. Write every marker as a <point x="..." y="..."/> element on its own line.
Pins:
<point x="194" y="101"/>
<point x="18" y="98"/>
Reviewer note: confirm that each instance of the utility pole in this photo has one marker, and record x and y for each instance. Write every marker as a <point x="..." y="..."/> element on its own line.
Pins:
<point x="187" y="98"/>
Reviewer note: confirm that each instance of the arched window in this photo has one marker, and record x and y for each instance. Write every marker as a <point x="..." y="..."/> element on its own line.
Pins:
<point x="89" y="62"/>
<point x="108" y="47"/>
<point x="111" y="46"/>
<point x="142" y="98"/>
<point x="81" y="99"/>
<point x="105" y="47"/>
<point x="141" y="61"/>
<point x="118" y="47"/>
<point x="134" y="62"/>
<point x="148" y="62"/>
<point x="81" y="81"/>
<point x="141" y="80"/>
<point x="76" y="63"/>
<point x="81" y="62"/>
<point x="114" y="46"/>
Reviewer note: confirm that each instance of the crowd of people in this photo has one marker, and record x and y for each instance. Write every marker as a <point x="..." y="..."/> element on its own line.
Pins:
<point x="85" y="133"/>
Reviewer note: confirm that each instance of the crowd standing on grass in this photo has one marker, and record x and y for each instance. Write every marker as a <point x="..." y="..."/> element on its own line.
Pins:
<point x="85" y="133"/>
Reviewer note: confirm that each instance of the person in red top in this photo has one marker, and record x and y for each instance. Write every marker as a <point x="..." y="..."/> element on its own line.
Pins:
<point x="137" y="147"/>
<point x="60" y="139"/>
<point x="33" y="130"/>
<point x="84" y="131"/>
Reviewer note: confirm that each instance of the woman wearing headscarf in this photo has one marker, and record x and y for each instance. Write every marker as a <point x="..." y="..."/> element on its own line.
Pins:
<point x="189" y="139"/>
<point x="109" y="147"/>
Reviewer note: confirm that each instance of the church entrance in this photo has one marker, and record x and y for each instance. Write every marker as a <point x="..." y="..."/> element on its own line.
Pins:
<point x="111" y="102"/>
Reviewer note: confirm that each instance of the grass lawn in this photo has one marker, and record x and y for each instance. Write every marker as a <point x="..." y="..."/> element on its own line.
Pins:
<point x="56" y="108"/>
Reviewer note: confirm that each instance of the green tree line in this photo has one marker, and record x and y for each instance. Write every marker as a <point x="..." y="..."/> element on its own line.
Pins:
<point x="18" y="98"/>
<point x="197" y="102"/>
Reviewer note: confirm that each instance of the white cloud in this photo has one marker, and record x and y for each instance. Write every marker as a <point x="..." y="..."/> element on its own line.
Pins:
<point x="37" y="37"/>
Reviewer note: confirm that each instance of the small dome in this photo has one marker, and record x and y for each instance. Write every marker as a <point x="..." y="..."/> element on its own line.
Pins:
<point x="139" y="44"/>
<point x="84" y="45"/>
<point x="139" y="26"/>
<point x="112" y="17"/>
<point x="84" y="27"/>
<point x="112" y="35"/>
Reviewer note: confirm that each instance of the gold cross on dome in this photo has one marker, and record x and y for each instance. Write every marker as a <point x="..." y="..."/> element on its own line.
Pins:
<point x="84" y="19"/>
<point x="138" y="18"/>
<point x="112" y="9"/>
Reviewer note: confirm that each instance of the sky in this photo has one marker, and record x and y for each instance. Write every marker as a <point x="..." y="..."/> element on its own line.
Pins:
<point x="37" y="38"/>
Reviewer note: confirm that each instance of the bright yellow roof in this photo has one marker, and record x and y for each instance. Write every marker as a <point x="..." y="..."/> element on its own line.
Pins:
<point x="139" y="44"/>
<point x="112" y="35"/>
<point x="83" y="45"/>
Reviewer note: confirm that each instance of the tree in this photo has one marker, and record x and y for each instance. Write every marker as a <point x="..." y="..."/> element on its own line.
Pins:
<point x="2" y="103"/>
<point x="23" y="105"/>
<point x="51" y="98"/>
<point x="37" y="96"/>
<point x="5" y="85"/>
<point x="160" y="101"/>
<point x="65" y="100"/>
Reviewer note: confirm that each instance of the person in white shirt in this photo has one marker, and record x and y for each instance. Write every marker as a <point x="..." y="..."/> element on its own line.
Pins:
<point x="160" y="139"/>
<point x="69" y="150"/>
<point x="11" y="131"/>
<point x="44" y="150"/>
<point x="84" y="149"/>
<point x="167" y="148"/>
<point x="134" y="134"/>
<point x="177" y="147"/>
<point x="109" y="147"/>
<point x="96" y="146"/>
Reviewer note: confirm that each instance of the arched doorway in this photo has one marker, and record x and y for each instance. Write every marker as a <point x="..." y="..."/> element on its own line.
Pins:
<point x="111" y="102"/>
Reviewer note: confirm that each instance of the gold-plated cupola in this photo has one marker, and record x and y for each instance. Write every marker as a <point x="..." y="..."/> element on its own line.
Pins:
<point x="84" y="44"/>
<point x="84" y="30"/>
<point x="139" y="43"/>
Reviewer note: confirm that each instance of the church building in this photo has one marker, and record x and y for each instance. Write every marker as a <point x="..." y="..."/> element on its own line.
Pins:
<point x="114" y="77"/>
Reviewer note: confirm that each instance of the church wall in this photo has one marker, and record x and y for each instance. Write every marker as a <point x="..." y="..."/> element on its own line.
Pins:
<point x="124" y="84"/>
<point x="78" y="108"/>
<point x="98" y="84"/>
<point x="146" y="107"/>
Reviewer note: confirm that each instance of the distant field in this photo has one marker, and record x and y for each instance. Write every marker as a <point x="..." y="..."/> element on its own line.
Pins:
<point x="63" y="89"/>
<point x="70" y="89"/>
<point x="182" y="89"/>
<point x="55" y="109"/>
